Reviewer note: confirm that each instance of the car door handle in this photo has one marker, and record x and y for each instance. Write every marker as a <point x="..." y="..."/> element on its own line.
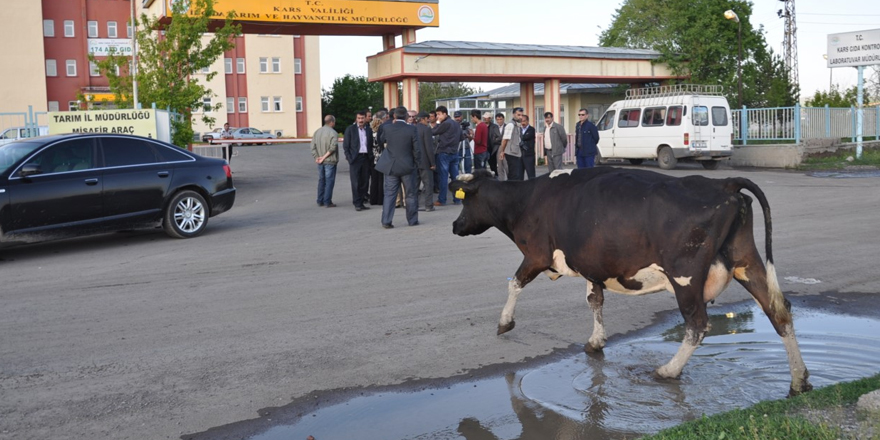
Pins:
<point x="163" y="173"/>
<point x="92" y="181"/>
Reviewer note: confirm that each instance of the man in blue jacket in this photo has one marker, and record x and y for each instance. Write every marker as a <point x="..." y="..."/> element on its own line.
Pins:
<point x="450" y="134"/>
<point x="587" y="141"/>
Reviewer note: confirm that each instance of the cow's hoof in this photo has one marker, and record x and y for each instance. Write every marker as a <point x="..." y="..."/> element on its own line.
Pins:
<point x="794" y="391"/>
<point x="665" y="372"/>
<point x="502" y="329"/>
<point x="590" y="348"/>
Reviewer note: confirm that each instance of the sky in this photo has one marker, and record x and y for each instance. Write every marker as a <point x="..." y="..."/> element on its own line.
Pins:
<point x="579" y="23"/>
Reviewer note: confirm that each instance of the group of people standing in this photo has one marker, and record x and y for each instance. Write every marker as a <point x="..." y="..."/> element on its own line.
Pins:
<point x="400" y="154"/>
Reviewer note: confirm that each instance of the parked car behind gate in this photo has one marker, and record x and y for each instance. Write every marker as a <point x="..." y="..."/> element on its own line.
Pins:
<point x="61" y="186"/>
<point x="668" y="123"/>
<point x="251" y="133"/>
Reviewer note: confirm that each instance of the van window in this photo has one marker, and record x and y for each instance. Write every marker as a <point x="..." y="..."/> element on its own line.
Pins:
<point x="654" y="117"/>
<point x="673" y="116"/>
<point x="700" y="115"/>
<point x="719" y="116"/>
<point x="607" y="121"/>
<point x="629" y="117"/>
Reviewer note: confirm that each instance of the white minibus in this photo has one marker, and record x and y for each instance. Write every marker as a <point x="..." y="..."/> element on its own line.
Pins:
<point x="668" y="124"/>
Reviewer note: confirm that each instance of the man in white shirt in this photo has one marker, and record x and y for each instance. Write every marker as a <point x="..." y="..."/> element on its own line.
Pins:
<point x="510" y="147"/>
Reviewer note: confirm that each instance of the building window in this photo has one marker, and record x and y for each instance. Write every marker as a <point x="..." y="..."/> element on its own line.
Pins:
<point x="92" y="28"/>
<point x="264" y="65"/>
<point x="277" y="103"/>
<point x="48" y="28"/>
<point x="299" y="103"/>
<point x="205" y="70"/>
<point x="239" y="65"/>
<point x="227" y="65"/>
<point x="297" y="66"/>
<point x="128" y="30"/>
<point x="276" y="65"/>
<point x="71" y="67"/>
<point x="53" y="106"/>
<point x="264" y="103"/>
<point x="242" y="105"/>
<point x="111" y="29"/>
<point x="230" y="105"/>
<point x="93" y="69"/>
<point x="206" y="104"/>
<point x="73" y="105"/>
<point x="68" y="29"/>
<point x="51" y="68"/>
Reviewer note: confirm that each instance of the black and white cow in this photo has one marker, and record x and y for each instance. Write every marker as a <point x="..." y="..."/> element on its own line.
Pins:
<point x="635" y="232"/>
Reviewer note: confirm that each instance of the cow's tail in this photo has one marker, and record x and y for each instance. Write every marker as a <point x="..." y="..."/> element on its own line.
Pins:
<point x="777" y="300"/>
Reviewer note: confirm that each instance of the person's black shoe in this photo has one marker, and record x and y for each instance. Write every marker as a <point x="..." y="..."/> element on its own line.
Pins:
<point x="358" y="208"/>
<point x="388" y="226"/>
<point x="330" y="205"/>
<point x="320" y="204"/>
<point x="429" y="209"/>
<point x="414" y="224"/>
<point x="365" y="207"/>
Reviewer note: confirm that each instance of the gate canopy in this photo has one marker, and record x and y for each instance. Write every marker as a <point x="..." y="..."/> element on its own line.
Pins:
<point x="467" y="61"/>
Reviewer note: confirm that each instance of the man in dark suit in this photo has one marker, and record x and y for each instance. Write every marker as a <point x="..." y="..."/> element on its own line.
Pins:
<point x="358" y="148"/>
<point x="528" y="147"/>
<point x="555" y="142"/>
<point x="588" y="142"/>
<point x="399" y="163"/>
<point x="427" y="163"/>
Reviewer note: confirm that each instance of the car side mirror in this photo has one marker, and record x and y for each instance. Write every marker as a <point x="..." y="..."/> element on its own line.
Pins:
<point x="30" y="170"/>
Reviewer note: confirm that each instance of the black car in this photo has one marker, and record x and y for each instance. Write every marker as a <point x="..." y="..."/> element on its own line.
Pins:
<point x="68" y="185"/>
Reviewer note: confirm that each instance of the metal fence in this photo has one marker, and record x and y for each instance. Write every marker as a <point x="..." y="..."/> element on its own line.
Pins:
<point x="795" y="124"/>
<point x="30" y="120"/>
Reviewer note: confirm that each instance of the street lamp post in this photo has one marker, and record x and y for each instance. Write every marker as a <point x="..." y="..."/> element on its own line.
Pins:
<point x="730" y="15"/>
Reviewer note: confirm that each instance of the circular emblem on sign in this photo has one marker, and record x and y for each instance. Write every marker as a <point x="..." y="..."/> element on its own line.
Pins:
<point x="426" y="14"/>
<point x="835" y="40"/>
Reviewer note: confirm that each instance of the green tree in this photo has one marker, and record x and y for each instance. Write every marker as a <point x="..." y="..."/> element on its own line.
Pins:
<point x="695" y="39"/>
<point x="347" y="96"/>
<point x="168" y="57"/>
<point x="429" y="93"/>
<point x="834" y="97"/>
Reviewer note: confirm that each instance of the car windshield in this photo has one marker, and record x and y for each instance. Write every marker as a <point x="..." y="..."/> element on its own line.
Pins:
<point x="13" y="152"/>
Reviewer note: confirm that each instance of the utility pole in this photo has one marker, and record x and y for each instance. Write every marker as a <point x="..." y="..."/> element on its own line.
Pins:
<point x="789" y="41"/>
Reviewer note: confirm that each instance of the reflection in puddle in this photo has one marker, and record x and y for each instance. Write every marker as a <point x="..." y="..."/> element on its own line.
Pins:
<point x="611" y="395"/>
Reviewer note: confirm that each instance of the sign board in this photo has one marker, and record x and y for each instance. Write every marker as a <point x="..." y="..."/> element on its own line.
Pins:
<point x="851" y="49"/>
<point x="137" y="122"/>
<point x="103" y="46"/>
<point x="345" y="12"/>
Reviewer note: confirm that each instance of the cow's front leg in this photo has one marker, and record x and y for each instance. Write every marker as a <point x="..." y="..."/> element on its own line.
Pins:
<point x="693" y="309"/>
<point x="596" y="298"/>
<point x="525" y="274"/>
<point x="507" y="322"/>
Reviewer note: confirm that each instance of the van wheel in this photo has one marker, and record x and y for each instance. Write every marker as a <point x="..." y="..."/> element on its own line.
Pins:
<point x="710" y="164"/>
<point x="636" y="161"/>
<point x="666" y="158"/>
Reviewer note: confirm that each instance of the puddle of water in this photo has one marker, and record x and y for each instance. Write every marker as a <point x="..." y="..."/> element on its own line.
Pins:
<point x="845" y="174"/>
<point x="611" y="395"/>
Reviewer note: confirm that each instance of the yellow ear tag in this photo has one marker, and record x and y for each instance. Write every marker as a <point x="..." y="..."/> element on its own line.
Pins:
<point x="459" y="194"/>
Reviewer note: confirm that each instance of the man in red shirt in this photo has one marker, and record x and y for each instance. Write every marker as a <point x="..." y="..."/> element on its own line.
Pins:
<point x="481" y="141"/>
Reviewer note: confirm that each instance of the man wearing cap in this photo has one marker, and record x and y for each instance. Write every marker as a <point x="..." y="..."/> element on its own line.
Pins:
<point x="427" y="162"/>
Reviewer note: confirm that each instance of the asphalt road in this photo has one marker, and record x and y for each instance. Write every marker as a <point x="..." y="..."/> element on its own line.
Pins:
<point x="136" y="335"/>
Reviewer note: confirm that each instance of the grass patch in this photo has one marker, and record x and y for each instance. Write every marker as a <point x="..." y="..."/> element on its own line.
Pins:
<point x="837" y="160"/>
<point x="776" y="419"/>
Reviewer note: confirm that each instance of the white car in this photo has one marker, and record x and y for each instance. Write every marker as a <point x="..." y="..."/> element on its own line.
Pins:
<point x="16" y="133"/>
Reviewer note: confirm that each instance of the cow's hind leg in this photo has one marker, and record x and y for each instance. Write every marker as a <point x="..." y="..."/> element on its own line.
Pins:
<point x="693" y="309"/>
<point x="764" y="287"/>
<point x="527" y="272"/>
<point x="596" y="298"/>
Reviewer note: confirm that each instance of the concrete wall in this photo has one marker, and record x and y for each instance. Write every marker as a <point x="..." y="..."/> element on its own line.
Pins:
<point x="788" y="155"/>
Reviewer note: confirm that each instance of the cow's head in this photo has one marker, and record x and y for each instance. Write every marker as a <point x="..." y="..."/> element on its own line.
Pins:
<point x="476" y="214"/>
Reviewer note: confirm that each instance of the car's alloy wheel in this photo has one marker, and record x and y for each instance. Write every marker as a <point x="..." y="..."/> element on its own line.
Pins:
<point x="186" y="216"/>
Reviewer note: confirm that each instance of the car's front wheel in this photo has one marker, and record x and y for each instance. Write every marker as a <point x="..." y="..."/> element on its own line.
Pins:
<point x="186" y="216"/>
